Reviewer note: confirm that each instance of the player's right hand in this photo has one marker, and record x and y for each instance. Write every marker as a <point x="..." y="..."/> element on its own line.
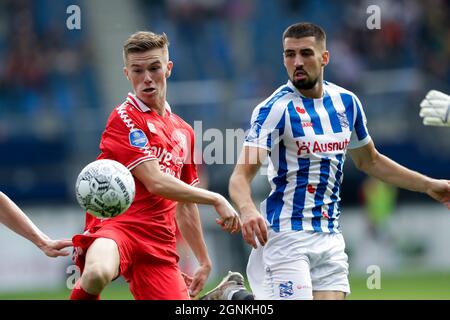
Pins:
<point x="229" y="219"/>
<point x="435" y="109"/>
<point x="254" y="227"/>
<point x="439" y="190"/>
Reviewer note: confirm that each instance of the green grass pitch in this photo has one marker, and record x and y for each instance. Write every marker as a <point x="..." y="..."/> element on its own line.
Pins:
<point x="419" y="286"/>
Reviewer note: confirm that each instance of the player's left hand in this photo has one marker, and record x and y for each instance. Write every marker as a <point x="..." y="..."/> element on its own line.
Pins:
<point x="54" y="248"/>
<point x="440" y="191"/>
<point x="197" y="282"/>
<point x="435" y="109"/>
<point x="254" y="227"/>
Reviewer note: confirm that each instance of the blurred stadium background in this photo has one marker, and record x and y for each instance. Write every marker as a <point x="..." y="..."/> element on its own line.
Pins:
<point x="57" y="87"/>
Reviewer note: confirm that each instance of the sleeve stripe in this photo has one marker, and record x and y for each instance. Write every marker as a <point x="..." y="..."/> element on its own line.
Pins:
<point x="136" y="162"/>
<point x="121" y="110"/>
<point x="349" y="109"/>
<point x="361" y="131"/>
<point x="264" y="111"/>
<point x="265" y="118"/>
<point x="359" y="144"/>
<point x="193" y="183"/>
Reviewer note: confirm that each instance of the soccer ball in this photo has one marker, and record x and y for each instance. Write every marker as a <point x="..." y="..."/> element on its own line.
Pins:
<point x="105" y="188"/>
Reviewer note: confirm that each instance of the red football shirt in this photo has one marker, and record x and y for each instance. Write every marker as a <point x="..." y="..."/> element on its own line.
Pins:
<point x="134" y="134"/>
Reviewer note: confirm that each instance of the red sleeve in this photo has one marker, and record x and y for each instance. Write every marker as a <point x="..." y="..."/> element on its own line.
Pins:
<point x="125" y="138"/>
<point x="189" y="170"/>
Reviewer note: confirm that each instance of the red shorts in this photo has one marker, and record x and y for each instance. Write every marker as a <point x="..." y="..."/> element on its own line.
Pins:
<point x="148" y="279"/>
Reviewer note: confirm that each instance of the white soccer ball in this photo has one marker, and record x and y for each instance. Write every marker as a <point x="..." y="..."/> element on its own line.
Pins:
<point x="105" y="188"/>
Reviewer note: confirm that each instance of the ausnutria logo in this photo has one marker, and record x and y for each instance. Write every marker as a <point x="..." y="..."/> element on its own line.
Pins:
<point x="315" y="146"/>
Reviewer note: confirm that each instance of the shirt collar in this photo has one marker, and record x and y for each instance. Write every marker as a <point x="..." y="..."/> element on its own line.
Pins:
<point x="137" y="103"/>
<point x="291" y="85"/>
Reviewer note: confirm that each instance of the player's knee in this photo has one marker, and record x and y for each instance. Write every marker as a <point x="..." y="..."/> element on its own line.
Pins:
<point x="97" y="275"/>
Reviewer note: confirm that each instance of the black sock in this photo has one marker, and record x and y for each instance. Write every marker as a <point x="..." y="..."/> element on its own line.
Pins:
<point x="243" y="295"/>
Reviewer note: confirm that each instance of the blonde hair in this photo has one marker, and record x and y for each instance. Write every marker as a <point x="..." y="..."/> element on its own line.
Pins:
<point x="142" y="41"/>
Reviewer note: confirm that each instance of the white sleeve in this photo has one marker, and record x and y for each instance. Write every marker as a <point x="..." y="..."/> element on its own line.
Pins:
<point x="360" y="135"/>
<point x="266" y="120"/>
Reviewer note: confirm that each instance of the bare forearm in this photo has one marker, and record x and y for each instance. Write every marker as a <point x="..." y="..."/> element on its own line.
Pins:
<point x="15" y="219"/>
<point x="393" y="173"/>
<point x="188" y="220"/>
<point x="254" y="227"/>
<point x="164" y="185"/>
<point x="241" y="194"/>
<point x="175" y="189"/>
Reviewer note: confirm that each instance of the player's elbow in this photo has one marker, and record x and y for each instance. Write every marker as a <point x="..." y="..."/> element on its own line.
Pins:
<point x="154" y="185"/>
<point x="155" y="188"/>
<point x="358" y="164"/>
<point x="367" y="165"/>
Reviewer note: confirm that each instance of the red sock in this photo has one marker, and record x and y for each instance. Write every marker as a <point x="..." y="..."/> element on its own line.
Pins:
<point x="78" y="293"/>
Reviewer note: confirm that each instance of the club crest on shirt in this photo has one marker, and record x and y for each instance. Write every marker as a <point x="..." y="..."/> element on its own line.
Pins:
<point x="286" y="289"/>
<point x="138" y="138"/>
<point x="343" y="121"/>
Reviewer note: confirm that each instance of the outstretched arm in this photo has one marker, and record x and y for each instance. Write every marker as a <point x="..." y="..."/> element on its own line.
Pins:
<point x="253" y="224"/>
<point x="169" y="187"/>
<point x="370" y="161"/>
<point x="435" y="109"/>
<point x="188" y="221"/>
<point x="16" y="220"/>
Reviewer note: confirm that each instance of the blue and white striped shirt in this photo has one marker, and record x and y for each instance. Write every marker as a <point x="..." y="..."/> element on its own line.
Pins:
<point x="307" y="140"/>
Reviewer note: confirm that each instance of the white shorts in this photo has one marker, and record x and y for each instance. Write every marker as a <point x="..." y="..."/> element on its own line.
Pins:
<point x="293" y="264"/>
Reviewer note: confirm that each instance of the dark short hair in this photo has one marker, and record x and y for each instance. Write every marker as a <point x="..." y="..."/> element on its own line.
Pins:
<point x="305" y="29"/>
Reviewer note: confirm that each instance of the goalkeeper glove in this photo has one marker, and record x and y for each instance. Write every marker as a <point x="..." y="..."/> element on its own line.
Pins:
<point x="435" y="109"/>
